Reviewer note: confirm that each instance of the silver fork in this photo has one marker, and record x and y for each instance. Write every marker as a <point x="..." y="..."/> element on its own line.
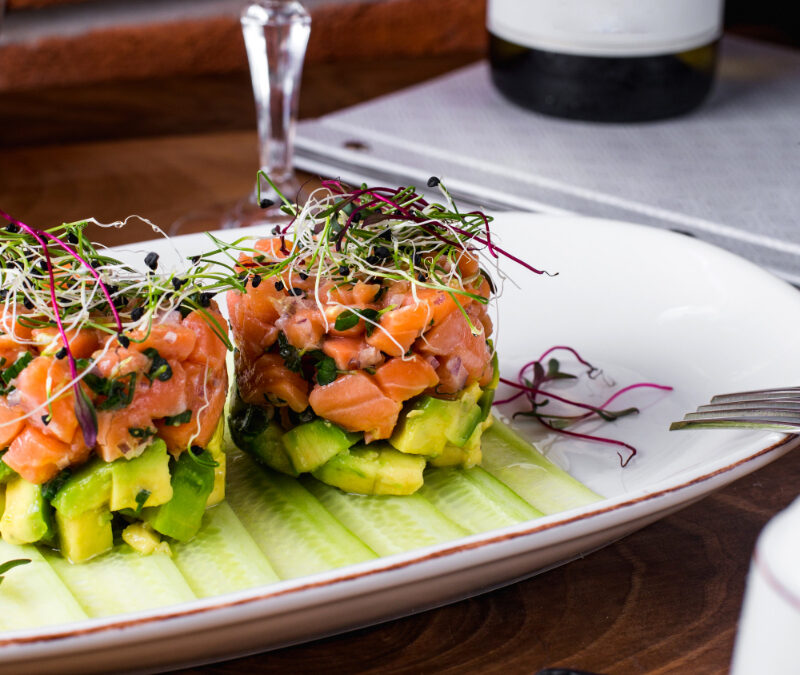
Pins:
<point x="770" y="409"/>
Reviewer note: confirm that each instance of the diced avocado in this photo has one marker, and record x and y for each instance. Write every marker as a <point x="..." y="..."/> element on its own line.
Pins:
<point x="467" y="456"/>
<point x="260" y="438"/>
<point x="87" y="489"/>
<point x="6" y="472"/>
<point x="312" y="444"/>
<point x="192" y="483"/>
<point x="27" y="516"/>
<point x="215" y="448"/>
<point x="431" y="423"/>
<point x="86" y="535"/>
<point x="149" y="471"/>
<point x="374" y="469"/>
<point x="142" y="538"/>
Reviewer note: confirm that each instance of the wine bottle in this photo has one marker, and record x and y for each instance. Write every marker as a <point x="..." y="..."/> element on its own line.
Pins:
<point x="605" y="60"/>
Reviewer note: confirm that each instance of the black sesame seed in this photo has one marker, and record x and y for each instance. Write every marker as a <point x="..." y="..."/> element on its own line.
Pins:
<point x="137" y="313"/>
<point x="421" y="277"/>
<point x="43" y="266"/>
<point x="266" y="203"/>
<point x="12" y="227"/>
<point x="72" y="238"/>
<point x="3" y="294"/>
<point x="372" y="260"/>
<point x="386" y="234"/>
<point x="194" y="259"/>
<point x="124" y="341"/>
<point x="205" y="299"/>
<point x="256" y="281"/>
<point x="95" y="263"/>
<point x="433" y="181"/>
<point x="177" y="282"/>
<point x="303" y="276"/>
<point x="151" y="260"/>
<point x="45" y="419"/>
<point x="296" y="291"/>
<point x="27" y="302"/>
<point x="278" y="285"/>
<point x="61" y="353"/>
<point x="382" y="252"/>
<point x="344" y="270"/>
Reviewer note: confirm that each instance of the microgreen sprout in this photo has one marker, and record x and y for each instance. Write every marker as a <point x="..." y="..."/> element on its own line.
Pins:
<point x="58" y="278"/>
<point x="531" y="384"/>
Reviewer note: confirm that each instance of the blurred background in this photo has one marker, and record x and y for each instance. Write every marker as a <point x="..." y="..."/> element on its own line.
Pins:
<point x="78" y="70"/>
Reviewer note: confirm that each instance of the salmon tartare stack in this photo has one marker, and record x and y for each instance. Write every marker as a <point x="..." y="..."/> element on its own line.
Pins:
<point x="112" y="388"/>
<point x="363" y="339"/>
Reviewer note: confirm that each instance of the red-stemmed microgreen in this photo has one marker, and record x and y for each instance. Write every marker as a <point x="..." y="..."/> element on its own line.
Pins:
<point x="532" y="381"/>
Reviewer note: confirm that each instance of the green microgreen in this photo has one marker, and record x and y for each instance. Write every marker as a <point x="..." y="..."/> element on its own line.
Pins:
<point x="177" y="420"/>
<point x="11" y="564"/>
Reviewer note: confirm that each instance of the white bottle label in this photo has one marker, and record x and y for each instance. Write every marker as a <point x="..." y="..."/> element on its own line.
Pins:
<point x="607" y="27"/>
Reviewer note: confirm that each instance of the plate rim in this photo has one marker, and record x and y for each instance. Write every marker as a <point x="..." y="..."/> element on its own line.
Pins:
<point x="50" y="638"/>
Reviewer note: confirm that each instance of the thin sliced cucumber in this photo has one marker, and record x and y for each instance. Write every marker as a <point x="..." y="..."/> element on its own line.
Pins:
<point x="514" y="461"/>
<point x="475" y="499"/>
<point x="122" y="580"/>
<point x="387" y="523"/>
<point x="292" y="529"/>
<point x="222" y="557"/>
<point x="33" y="595"/>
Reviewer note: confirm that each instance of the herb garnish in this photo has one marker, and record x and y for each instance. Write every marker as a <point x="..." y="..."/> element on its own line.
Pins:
<point x="160" y="368"/>
<point x="533" y="389"/>
<point x="289" y="353"/>
<point x="177" y="420"/>
<point x="11" y="564"/>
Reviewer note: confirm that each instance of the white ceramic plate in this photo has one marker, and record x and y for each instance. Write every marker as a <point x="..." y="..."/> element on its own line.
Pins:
<point x="642" y="304"/>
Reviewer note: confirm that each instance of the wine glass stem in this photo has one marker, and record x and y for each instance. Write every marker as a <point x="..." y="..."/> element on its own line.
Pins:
<point x="275" y="35"/>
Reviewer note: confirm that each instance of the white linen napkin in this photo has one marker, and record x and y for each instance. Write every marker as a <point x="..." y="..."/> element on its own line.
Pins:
<point x="728" y="173"/>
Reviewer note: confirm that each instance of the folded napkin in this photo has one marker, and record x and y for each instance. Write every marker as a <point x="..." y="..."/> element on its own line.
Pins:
<point x="728" y="173"/>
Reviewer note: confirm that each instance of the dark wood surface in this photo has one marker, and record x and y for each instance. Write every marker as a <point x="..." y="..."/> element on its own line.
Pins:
<point x="663" y="600"/>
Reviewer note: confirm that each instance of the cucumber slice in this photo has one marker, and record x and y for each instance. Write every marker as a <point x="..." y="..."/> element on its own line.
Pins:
<point x="387" y="523"/>
<point x="518" y="464"/>
<point x="122" y="580"/>
<point x="475" y="499"/>
<point x="33" y="595"/>
<point x="222" y="557"/>
<point x="293" y="530"/>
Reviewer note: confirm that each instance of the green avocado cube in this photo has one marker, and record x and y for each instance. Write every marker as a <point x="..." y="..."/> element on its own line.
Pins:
<point x="260" y="438"/>
<point x="192" y="483"/>
<point x="86" y="535"/>
<point x="88" y="488"/>
<point x="148" y="472"/>
<point x="27" y="517"/>
<point x="312" y="444"/>
<point x="374" y="469"/>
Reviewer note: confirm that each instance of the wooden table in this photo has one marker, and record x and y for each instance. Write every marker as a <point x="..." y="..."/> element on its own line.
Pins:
<point x="663" y="600"/>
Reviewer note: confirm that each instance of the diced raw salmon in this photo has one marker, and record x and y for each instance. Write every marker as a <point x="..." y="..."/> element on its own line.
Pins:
<point x="114" y="437"/>
<point x="10" y="350"/>
<point x="464" y="356"/>
<point x="253" y="333"/>
<point x="268" y="380"/>
<point x="42" y="378"/>
<point x="171" y="339"/>
<point x="9" y="322"/>
<point x="404" y="378"/>
<point x="159" y="398"/>
<point x="439" y="303"/>
<point x="119" y="361"/>
<point x="468" y="264"/>
<point x="81" y="343"/>
<point x="303" y="328"/>
<point x="11" y="422"/>
<point x="208" y="350"/>
<point x="351" y="353"/>
<point x="399" y="328"/>
<point x="356" y="403"/>
<point x="38" y="457"/>
<point x="206" y="391"/>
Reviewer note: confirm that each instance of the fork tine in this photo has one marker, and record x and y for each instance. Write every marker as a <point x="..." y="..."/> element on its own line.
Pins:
<point x="760" y="404"/>
<point x="787" y="416"/>
<point x="759" y="394"/>
<point x="731" y="423"/>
